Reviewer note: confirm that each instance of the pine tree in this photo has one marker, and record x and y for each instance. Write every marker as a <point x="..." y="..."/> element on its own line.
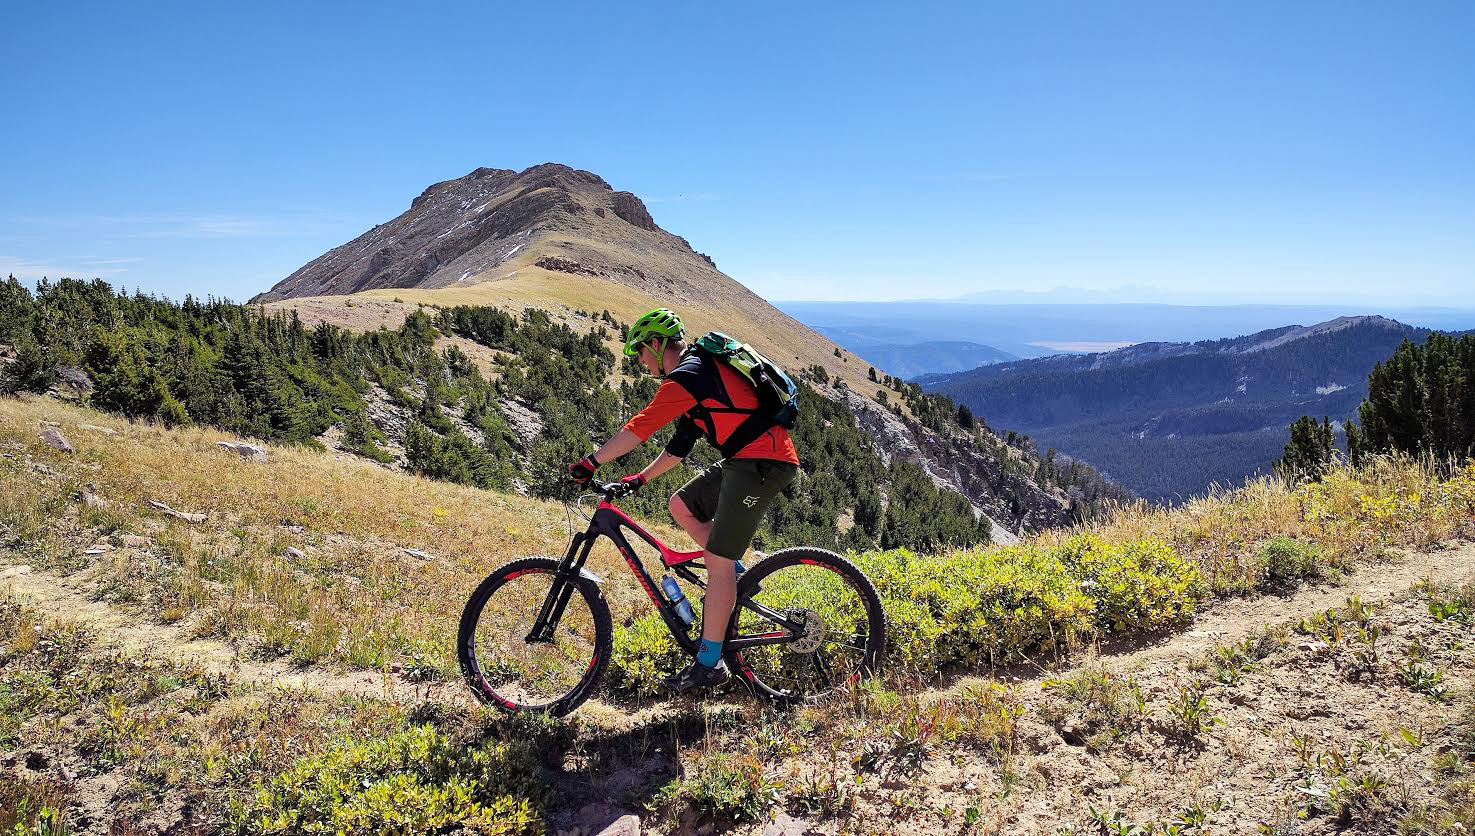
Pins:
<point x="1355" y="451"/>
<point x="965" y="417"/>
<point x="1421" y="401"/>
<point x="32" y="370"/>
<point x="1308" y="455"/>
<point x="16" y="310"/>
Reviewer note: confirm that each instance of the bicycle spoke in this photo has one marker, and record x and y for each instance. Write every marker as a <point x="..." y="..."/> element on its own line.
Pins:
<point x="819" y="666"/>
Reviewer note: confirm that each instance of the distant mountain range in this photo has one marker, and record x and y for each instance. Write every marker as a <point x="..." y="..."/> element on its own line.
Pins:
<point x="1038" y="330"/>
<point x="908" y="360"/>
<point x="1167" y="419"/>
<point x="938" y="357"/>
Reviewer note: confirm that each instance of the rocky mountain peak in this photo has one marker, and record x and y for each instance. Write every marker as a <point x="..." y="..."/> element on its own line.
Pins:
<point x="493" y="222"/>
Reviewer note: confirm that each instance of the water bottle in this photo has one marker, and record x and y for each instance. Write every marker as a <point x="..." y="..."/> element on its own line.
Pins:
<point x="678" y="600"/>
<point x="739" y="569"/>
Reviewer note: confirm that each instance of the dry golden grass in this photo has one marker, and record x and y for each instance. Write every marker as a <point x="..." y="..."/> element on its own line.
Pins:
<point x="355" y="596"/>
<point x="1353" y="514"/>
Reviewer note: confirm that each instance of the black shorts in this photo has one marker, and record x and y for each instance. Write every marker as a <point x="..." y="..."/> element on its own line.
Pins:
<point x="733" y="494"/>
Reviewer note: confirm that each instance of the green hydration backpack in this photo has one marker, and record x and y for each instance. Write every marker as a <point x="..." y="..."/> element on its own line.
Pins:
<point x="778" y="397"/>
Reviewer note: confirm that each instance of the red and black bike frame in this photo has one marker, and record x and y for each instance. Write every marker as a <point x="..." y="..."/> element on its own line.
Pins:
<point x="609" y="521"/>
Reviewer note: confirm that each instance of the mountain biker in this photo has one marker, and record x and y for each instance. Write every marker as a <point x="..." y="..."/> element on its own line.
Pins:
<point x="721" y="507"/>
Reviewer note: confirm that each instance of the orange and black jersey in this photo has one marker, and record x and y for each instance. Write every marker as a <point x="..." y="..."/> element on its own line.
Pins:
<point x="695" y="391"/>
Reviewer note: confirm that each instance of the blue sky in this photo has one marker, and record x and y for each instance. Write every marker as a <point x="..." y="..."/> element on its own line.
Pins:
<point x="1213" y="152"/>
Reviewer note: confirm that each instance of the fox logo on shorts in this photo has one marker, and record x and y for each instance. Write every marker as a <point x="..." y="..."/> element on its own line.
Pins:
<point x="750" y="501"/>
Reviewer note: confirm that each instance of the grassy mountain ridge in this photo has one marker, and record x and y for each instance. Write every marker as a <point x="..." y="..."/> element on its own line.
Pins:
<point x="412" y="398"/>
<point x="1167" y="419"/>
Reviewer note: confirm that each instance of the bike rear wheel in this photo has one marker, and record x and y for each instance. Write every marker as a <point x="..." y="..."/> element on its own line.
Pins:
<point x="836" y="633"/>
<point x="504" y="669"/>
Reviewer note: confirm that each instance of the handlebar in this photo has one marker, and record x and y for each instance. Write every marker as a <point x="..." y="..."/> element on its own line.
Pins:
<point x="610" y="490"/>
<point x="613" y="490"/>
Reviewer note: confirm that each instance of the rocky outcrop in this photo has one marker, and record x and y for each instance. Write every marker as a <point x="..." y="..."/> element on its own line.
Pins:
<point x="891" y="435"/>
<point x="565" y="265"/>
<point x="72" y="383"/>
<point x="629" y="208"/>
<point x="1012" y="502"/>
<point x="525" y="424"/>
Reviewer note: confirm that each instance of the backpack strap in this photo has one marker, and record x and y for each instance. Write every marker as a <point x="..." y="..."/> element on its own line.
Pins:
<point x="749" y="431"/>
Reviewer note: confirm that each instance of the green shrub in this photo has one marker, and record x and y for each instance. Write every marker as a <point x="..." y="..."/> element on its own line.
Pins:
<point x="1287" y="560"/>
<point x="1137" y="585"/>
<point x="34" y="368"/>
<point x="414" y="781"/>
<point x="723" y="786"/>
<point x="982" y="606"/>
<point x="995" y="604"/>
<point x="642" y="653"/>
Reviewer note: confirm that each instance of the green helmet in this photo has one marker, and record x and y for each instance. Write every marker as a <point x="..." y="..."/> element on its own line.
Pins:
<point x="660" y="322"/>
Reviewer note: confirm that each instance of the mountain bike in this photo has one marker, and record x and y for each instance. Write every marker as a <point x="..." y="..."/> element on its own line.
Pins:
<point x="537" y="636"/>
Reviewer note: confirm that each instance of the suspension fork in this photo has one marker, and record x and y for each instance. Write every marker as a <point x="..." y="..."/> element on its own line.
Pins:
<point x="563" y="588"/>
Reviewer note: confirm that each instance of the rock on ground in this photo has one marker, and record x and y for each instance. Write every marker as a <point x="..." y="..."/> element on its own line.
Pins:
<point x="250" y="452"/>
<point x="599" y="819"/>
<point x="178" y="515"/>
<point x="90" y="499"/>
<point x="786" y="825"/>
<point x="54" y="438"/>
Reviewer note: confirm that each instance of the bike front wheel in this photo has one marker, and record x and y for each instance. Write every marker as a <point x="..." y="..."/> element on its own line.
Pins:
<point x="505" y="668"/>
<point x="822" y="620"/>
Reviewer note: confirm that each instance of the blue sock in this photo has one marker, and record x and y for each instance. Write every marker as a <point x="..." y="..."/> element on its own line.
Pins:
<point x="710" y="653"/>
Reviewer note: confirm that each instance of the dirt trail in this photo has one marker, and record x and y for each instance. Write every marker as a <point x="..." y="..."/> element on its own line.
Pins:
<point x="71" y="598"/>
<point x="1237" y="618"/>
<point x="1222" y="622"/>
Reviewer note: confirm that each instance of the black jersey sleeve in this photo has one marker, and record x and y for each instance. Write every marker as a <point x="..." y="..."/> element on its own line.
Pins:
<point x="684" y="438"/>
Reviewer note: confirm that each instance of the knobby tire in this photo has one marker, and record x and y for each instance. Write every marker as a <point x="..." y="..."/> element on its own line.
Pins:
<point x="474" y="668"/>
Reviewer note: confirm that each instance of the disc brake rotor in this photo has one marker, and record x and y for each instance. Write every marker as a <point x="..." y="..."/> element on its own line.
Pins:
<point x="813" y="631"/>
